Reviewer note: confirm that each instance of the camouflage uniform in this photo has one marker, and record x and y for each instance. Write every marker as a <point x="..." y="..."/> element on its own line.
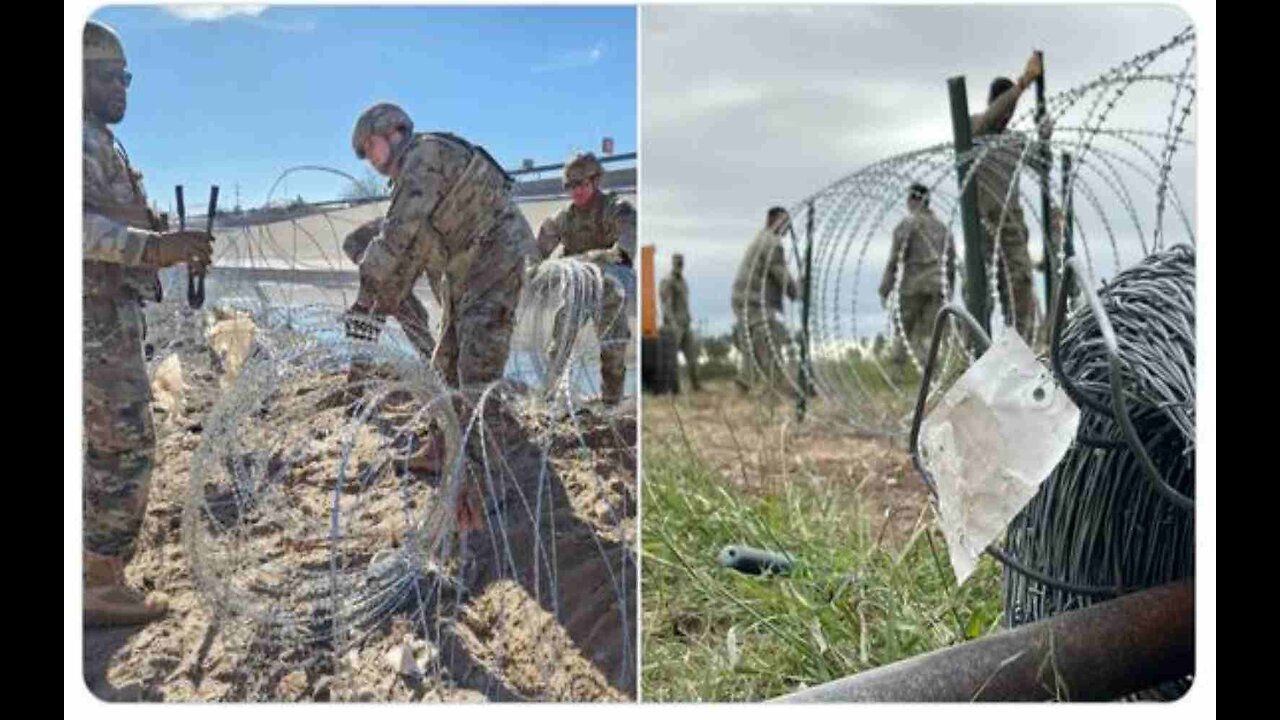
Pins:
<point x="119" y="433"/>
<point x="604" y="233"/>
<point x="411" y="314"/>
<point x="995" y="176"/>
<point x="758" y="288"/>
<point x="922" y="245"/>
<point x="452" y="218"/>
<point x="677" y="322"/>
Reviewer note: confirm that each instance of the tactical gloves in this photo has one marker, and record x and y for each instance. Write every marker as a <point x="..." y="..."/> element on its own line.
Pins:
<point x="362" y="325"/>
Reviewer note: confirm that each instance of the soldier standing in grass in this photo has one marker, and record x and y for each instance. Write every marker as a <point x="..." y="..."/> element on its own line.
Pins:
<point x="676" y="320"/>
<point x="922" y="246"/>
<point x="758" y="288"/>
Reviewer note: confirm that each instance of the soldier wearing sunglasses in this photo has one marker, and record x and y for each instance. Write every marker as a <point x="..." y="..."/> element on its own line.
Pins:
<point x="123" y="245"/>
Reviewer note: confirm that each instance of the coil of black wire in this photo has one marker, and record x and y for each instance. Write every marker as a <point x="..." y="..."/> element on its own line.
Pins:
<point x="1098" y="520"/>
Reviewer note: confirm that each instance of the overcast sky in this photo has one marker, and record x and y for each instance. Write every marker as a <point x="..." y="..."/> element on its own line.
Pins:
<point x="750" y="106"/>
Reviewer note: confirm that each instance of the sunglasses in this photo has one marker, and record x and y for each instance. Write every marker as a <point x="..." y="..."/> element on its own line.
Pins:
<point x="124" y="77"/>
<point x="573" y="184"/>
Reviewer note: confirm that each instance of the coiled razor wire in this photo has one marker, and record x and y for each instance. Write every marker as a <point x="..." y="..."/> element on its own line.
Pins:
<point x="1116" y="195"/>
<point x="320" y="514"/>
<point x="1102" y="519"/>
<point x="1117" y="512"/>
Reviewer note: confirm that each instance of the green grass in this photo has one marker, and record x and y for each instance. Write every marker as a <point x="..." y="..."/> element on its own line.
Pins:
<point x="852" y="603"/>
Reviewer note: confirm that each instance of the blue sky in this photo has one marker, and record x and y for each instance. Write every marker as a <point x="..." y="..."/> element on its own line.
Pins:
<point x="237" y="98"/>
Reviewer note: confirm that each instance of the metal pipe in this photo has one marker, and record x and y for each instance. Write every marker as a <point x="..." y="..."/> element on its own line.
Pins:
<point x="802" y="400"/>
<point x="975" y="275"/>
<point x="1101" y="652"/>
<point x="1046" y="164"/>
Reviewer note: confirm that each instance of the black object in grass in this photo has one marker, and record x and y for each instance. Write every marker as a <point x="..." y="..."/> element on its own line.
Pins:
<point x="754" y="561"/>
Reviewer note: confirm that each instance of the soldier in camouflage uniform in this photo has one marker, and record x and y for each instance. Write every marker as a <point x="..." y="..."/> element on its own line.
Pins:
<point x="411" y="314"/>
<point x="999" y="206"/>
<point x="758" y="288"/>
<point x="676" y="320"/>
<point x="451" y="218"/>
<point x="922" y="245"/>
<point x="123" y="246"/>
<point x="600" y="228"/>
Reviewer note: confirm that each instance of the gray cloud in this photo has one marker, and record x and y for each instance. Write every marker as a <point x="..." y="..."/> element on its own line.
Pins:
<point x="750" y="106"/>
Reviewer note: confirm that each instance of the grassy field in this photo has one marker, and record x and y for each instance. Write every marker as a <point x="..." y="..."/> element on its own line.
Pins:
<point x="872" y="583"/>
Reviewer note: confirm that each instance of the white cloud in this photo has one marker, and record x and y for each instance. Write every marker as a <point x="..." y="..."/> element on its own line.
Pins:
<point x="572" y="59"/>
<point x="212" y="13"/>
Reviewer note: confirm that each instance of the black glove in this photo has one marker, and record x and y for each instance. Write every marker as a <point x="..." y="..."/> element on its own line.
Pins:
<point x="362" y="325"/>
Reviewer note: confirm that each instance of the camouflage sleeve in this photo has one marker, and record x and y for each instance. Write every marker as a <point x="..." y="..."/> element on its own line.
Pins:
<point x="891" y="265"/>
<point x="549" y="234"/>
<point x="385" y="268"/>
<point x="357" y="241"/>
<point x="623" y="220"/>
<point x="984" y="122"/>
<point x="779" y="275"/>
<point x="106" y="240"/>
<point x="666" y="301"/>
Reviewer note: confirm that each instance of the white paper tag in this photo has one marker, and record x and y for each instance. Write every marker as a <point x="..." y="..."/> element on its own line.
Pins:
<point x="997" y="434"/>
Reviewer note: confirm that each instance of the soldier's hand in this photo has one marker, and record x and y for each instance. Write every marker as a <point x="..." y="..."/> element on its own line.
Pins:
<point x="194" y="247"/>
<point x="608" y="256"/>
<point x="362" y="324"/>
<point x="1033" y="69"/>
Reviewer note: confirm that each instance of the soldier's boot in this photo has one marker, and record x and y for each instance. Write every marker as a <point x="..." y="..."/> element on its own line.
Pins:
<point x="611" y="384"/>
<point x="108" y="601"/>
<point x="613" y="369"/>
<point x="693" y="373"/>
<point x="430" y="458"/>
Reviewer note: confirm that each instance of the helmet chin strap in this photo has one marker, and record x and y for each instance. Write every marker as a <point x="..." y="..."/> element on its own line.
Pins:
<point x="398" y="151"/>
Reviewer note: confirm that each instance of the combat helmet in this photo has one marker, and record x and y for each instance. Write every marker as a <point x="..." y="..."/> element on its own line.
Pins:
<point x="101" y="43"/>
<point x="381" y="119"/>
<point x="581" y="166"/>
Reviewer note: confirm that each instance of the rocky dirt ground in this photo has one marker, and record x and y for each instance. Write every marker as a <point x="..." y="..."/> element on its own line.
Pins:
<point x="504" y="641"/>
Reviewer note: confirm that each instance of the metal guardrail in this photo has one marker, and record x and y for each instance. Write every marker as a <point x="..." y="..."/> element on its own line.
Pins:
<point x="286" y="213"/>
<point x="556" y="166"/>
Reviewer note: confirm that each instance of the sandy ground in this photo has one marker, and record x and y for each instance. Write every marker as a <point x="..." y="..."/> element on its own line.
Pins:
<point x="758" y="446"/>
<point x="504" y="643"/>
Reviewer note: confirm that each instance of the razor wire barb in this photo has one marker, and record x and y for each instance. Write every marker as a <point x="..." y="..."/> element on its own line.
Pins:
<point x="1123" y="180"/>
<point x="320" y="514"/>
<point x="1101" y="524"/>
